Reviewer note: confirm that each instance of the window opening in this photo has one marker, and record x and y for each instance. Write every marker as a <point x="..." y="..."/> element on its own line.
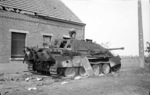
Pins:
<point x="46" y="41"/>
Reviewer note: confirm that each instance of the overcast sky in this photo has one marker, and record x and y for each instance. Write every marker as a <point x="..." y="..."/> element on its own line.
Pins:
<point x="113" y="21"/>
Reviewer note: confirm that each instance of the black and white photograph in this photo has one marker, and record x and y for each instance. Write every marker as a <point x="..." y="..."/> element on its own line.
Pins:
<point x="74" y="47"/>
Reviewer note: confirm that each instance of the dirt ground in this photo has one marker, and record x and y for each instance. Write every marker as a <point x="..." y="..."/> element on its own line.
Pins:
<point x="16" y="80"/>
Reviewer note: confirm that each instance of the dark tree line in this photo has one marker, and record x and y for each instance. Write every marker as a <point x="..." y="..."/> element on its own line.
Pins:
<point x="148" y="47"/>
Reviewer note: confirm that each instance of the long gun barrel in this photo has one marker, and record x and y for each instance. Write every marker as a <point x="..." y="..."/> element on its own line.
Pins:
<point x="122" y="48"/>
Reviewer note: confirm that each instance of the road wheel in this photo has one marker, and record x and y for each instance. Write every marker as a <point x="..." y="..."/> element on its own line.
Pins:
<point x="106" y="68"/>
<point x="69" y="72"/>
<point x="95" y="70"/>
<point x="82" y="72"/>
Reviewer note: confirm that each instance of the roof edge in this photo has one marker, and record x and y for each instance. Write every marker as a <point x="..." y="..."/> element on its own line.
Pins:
<point x="61" y="20"/>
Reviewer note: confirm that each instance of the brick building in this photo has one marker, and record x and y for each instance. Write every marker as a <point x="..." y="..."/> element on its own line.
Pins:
<point x="33" y="23"/>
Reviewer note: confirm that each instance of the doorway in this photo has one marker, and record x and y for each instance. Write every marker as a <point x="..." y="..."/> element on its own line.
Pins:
<point x="17" y="44"/>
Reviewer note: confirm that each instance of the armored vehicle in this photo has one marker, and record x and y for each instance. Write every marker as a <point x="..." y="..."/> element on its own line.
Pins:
<point x="70" y="57"/>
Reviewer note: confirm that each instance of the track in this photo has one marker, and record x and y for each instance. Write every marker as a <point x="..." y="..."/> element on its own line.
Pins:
<point x="31" y="67"/>
<point x="53" y="71"/>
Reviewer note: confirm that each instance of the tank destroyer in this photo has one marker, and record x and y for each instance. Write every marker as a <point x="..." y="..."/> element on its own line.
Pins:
<point x="71" y="57"/>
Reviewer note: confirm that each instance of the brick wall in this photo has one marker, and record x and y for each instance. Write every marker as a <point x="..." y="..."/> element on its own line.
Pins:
<point x="34" y="26"/>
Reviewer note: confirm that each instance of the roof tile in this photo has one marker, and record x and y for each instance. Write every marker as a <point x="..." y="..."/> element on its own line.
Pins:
<point x="51" y="8"/>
